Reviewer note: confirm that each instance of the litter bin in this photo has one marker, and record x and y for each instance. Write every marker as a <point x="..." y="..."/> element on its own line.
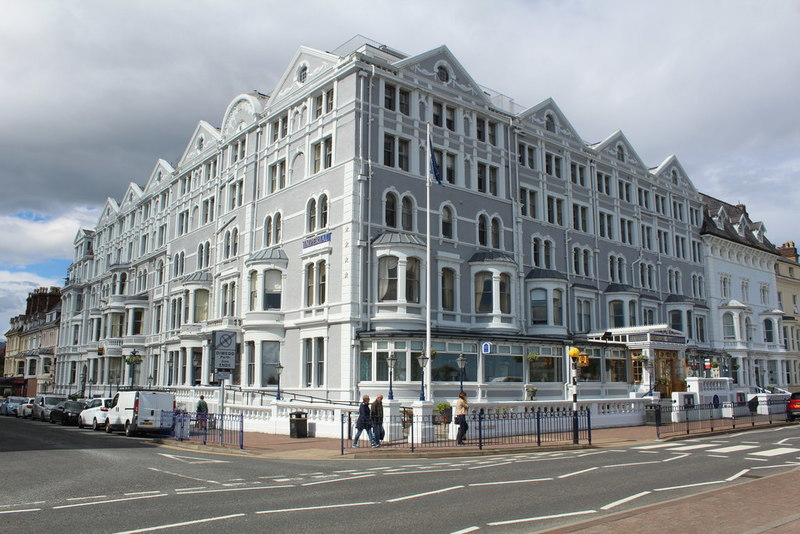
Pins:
<point x="298" y="425"/>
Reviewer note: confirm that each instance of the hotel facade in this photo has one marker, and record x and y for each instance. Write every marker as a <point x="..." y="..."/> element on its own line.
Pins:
<point x="300" y="224"/>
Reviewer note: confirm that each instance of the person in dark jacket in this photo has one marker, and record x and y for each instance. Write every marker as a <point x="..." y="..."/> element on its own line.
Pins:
<point x="377" y="419"/>
<point x="364" y="422"/>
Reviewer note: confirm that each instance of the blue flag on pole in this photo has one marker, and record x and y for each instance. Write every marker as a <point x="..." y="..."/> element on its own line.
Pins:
<point x="434" y="166"/>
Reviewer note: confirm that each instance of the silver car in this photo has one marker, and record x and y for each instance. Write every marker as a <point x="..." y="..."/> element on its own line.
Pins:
<point x="43" y="405"/>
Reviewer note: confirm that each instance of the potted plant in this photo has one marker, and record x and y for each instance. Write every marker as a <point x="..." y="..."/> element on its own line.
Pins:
<point x="641" y="357"/>
<point x="444" y="409"/>
<point x="532" y="392"/>
<point x="532" y="356"/>
<point x="714" y="365"/>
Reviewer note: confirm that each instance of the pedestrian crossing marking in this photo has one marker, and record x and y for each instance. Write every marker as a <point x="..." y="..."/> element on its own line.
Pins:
<point x="734" y="448"/>
<point x="693" y="447"/>
<point x="775" y="452"/>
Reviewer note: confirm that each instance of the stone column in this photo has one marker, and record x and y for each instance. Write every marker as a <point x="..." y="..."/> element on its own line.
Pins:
<point x="205" y="365"/>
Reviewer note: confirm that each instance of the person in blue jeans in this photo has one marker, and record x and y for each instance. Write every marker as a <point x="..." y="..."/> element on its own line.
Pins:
<point x="364" y="422"/>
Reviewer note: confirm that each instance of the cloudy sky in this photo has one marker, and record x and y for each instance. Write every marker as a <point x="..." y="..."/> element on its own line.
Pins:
<point x="92" y="92"/>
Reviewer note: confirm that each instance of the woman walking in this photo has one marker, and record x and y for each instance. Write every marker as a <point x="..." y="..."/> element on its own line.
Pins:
<point x="462" y="408"/>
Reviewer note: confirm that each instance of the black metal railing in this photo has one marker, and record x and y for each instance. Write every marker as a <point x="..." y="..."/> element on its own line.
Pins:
<point x="207" y="428"/>
<point x="699" y="418"/>
<point x="409" y="431"/>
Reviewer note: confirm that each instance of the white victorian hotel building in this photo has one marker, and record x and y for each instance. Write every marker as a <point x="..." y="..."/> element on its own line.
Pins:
<point x="300" y="224"/>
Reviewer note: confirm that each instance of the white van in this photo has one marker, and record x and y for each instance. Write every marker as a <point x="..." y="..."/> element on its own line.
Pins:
<point x="140" y="411"/>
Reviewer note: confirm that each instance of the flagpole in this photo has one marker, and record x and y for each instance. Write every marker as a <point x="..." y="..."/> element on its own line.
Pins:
<point x="428" y="351"/>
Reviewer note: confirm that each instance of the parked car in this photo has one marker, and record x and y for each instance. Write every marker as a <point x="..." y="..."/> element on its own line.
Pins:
<point x="43" y="404"/>
<point x="9" y="406"/>
<point x="26" y="408"/>
<point x="96" y="413"/>
<point x="793" y="406"/>
<point x="140" y="411"/>
<point x="66" y="412"/>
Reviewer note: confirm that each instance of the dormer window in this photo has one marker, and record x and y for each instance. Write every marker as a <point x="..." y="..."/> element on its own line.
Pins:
<point x="443" y="74"/>
<point x="674" y="177"/>
<point x="620" y="153"/>
<point x="200" y="143"/>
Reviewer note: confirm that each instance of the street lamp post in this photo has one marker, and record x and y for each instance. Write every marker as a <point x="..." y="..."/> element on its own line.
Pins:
<point x="391" y="361"/>
<point x="462" y="363"/>
<point x="422" y="359"/>
<point x="279" y="370"/>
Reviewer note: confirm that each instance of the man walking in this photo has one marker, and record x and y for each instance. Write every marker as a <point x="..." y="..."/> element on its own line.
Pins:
<point x="202" y="412"/>
<point x="377" y="419"/>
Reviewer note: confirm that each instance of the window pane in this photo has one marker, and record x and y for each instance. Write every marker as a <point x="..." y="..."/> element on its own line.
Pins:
<point x="502" y="368"/>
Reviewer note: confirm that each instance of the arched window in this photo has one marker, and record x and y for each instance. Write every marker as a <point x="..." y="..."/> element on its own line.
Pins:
<point x="253" y="289"/>
<point x="387" y="278"/>
<point x="483" y="292"/>
<point x="620" y="153"/>
<point x="310" y="284"/>
<point x="123" y="281"/>
<point x="277" y="233"/>
<point x="549" y="123"/>
<point x="322" y="278"/>
<point x="311" y="219"/>
<point x="268" y="232"/>
<point x="235" y="242"/>
<point x="548" y="254"/>
<point x="226" y="245"/>
<point x="323" y="211"/>
<point x="159" y="272"/>
<point x="728" y="329"/>
<point x="448" y="289"/>
<point x="616" y="313"/>
<point x="408" y="214"/>
<point x="443" y="74"/>
<point x="483" y="224"/>
<point x="447" y="222"/>
<point x="495" y="233"/>
<point x="769" y="333"/>
<point x="390" y="211"/>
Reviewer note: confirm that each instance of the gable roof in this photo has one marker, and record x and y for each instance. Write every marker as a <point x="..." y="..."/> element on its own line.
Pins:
<point x="672" y="173"/>
<point x="203" y="141"/>
<point x="426" y="65"/>
<point x="610" y="144"/>
<point x="537" y="114"/>
<point x="316" y="63"/>
<point x="161" y="170"/>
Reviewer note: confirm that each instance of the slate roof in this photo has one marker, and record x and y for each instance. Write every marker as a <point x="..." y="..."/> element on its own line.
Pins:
<point x="727" y="227"/>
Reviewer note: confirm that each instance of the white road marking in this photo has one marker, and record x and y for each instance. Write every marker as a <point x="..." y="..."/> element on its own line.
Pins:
<point x="20" y="511"/>
<point x="488" y="465"/>
<point x="387" y="473"/>
<point x="193" y="459"/>
<point x="224" y="490"/>
<point x="466" y="530"/>
<point x="737" y="475"/>
<point x="691" y="485"/>
<point x="614" y="504"/>
<point x="378" y="468"/>
<point x="90" y="497"/>
<point x="183" y="524"/>
<point x="339" y="471"/>
<point x="578" y="472"/>
<point x="510" y="482"/>
<point x="417" y="495"/>
<point x="632" y="463"/>
<point x="184" y="476"/>
<point x="787" y="464"/>
<point x="337" y="480"/>
<point x="22" y="504"/>
<point x="191" y="489"/>
<point x="677" y="457"/>
<point x="542" y="518"/>
<point x="93" y="503"/>
<point x="656" y="446"/>
<point x="315" y="507"/>
<point x="693" y="447"/>
<point x="775" y="452"/>
<point x="718" y="456"/>
<point x="734" y="448"/>
<point x="757" y="459"/>
<point x="142" y="493"/>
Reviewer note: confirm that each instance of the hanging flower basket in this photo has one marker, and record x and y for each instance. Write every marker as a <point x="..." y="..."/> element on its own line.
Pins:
<point x="133" y="360"/>
<point x="641" y="358"/>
